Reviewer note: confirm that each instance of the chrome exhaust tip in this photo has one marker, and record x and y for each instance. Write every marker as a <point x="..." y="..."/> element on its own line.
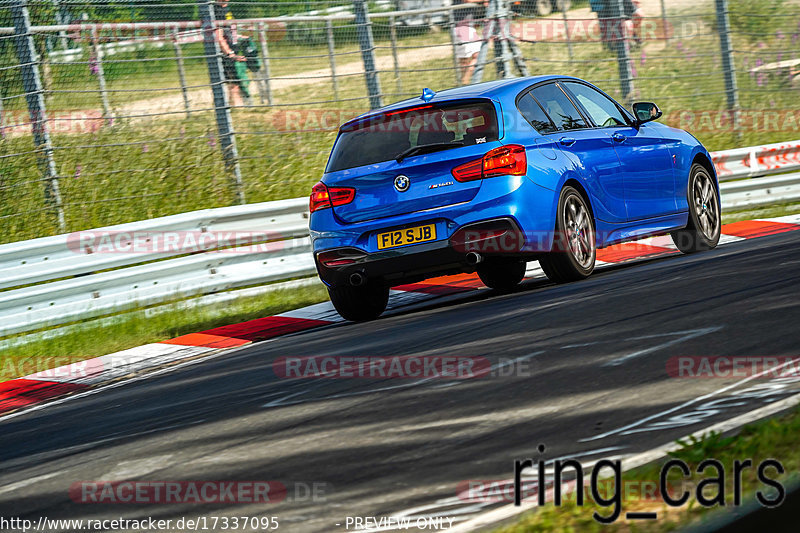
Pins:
<point x="357" y="279"/>
<point x="473" y="258"/>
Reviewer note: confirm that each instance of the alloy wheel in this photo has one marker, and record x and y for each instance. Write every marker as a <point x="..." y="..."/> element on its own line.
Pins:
<point x="706" y="205"/>
<point x="579" y="231"/>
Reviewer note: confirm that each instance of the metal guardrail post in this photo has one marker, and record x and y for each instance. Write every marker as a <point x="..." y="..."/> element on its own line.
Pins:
<point x="222" y="110"/>
<point x="623" y="54"/>
<point x="181" y="72"/>
<point x="332" y="57"/>
<point x="728" y="68"/>
<point x="101" y="76"/>
<point x="366" y="43"/>
<point x="32" y="85"/>
<point x="393" y="38"/>
<point x="262" y="41"/>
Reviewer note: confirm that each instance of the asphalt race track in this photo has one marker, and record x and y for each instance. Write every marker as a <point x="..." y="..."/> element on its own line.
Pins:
<point x="588" y="378"/>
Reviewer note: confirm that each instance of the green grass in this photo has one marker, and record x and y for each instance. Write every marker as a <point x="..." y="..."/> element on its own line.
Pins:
<point x="772" y="211"/>
<point x="142" y="169"/>
<point x="772" y="438"/>
<point x="141" y="327"/>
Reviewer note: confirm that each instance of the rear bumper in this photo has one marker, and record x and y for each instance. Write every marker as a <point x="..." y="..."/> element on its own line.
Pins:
<point x="529" y="206"/>
<point x="414" y="263"/>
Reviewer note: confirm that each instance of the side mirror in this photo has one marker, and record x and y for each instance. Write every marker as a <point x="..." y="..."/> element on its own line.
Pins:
<point x="645" y="112"/>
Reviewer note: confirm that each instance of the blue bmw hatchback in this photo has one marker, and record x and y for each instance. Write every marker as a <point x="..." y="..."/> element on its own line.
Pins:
<point x="486" y="177"/>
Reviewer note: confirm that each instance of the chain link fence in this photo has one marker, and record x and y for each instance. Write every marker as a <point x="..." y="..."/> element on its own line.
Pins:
<point x="119" y="111"/>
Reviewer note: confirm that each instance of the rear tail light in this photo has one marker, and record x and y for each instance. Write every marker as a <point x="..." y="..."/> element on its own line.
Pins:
<point x="469" y="171"/>
<point x="323" y="197"/>
<point x="507" y="160"/>
<point x="320" y="199"/>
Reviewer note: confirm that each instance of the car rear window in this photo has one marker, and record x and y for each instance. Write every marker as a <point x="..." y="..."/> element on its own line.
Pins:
<point x="383" y="136"/>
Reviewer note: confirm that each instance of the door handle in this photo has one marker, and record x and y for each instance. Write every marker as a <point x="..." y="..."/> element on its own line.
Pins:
<point x="567" y="141"/>
<point x="618" y="137"/>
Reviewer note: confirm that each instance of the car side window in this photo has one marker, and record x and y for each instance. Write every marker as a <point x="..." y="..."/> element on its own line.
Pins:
<point x="603" y="111"/>
<point x="534" y="114"/>
<point x="560" y="109"/>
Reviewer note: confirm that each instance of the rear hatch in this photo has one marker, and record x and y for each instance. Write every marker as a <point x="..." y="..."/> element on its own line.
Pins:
<point x="364" y="157"/>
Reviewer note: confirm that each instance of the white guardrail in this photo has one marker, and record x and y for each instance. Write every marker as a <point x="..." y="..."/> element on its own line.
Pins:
<point x="57" y="280"/>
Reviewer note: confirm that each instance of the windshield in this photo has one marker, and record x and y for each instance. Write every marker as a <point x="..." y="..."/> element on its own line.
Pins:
<point x="384" y="136"/>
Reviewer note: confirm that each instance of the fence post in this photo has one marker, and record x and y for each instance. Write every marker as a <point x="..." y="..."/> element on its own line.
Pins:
<point x="32" y="85"/>
<point x="451" y="21"/>
<point x="181" y="72"/>
<point x="216" y="74"/>
<point x="101" y="75"/>
<point x="2" y="118"/>
<point x="566" y="29"/>
<point x="62" y="17"/>
<point x="728" y="68"/>
<point x="502" y="25"/>
<point x="623" y="56"/>
<point x="393" y="37"/>
<point x="664" y="21"/>
<point x="262" y="41"/>
<point x="332" y="58"/>
<point x="365" y="42"/>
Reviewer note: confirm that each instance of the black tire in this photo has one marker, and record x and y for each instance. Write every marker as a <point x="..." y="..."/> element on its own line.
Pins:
<point x="574" y="248"/>
<point x="359" y="304"/>
<point x="704" y="227"/>
<point x="501" y="274"/>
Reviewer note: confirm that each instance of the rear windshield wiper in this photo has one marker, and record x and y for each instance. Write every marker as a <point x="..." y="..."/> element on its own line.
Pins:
<point x="424" y="148"/>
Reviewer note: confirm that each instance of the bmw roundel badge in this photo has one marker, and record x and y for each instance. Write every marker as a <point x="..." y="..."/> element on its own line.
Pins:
<point x="401" y="183"/>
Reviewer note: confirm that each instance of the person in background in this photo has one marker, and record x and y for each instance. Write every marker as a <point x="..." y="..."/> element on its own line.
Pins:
<point x="632" y="11"/>
<point x="227" y="38"/>
<point x="468" y="42"/>
<point x="631" y="20"/>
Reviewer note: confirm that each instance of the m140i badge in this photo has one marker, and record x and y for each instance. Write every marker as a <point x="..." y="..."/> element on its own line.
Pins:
<point x="443" y="184"/>
<point x="401" y="183"/>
